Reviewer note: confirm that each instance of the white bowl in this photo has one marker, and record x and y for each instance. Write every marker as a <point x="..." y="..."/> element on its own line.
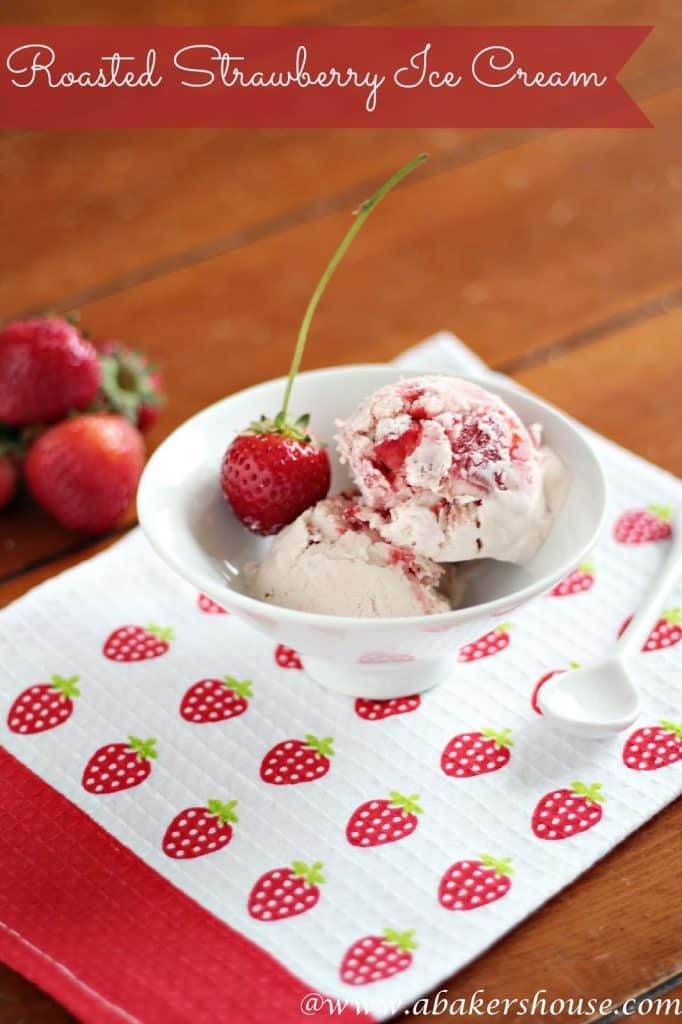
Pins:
<point x="189" y="523"/>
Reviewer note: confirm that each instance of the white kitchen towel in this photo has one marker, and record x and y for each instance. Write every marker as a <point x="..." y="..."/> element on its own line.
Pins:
<point x="483" y="805"/>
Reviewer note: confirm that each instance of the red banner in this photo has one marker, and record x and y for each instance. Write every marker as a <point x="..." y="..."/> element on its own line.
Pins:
<point x="462" y="76"/>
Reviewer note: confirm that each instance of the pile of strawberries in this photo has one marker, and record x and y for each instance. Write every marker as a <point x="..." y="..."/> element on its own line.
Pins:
<point x="72" y="415"/>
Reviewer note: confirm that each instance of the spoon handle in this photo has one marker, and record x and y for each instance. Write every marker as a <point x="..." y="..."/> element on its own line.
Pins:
<point x="645" y="616"/>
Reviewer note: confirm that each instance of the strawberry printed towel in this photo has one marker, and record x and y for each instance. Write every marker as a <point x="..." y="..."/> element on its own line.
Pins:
<point x="195" y="831"/>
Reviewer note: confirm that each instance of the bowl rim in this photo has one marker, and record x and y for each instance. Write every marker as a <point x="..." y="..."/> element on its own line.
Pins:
<point x="254" y="607"/>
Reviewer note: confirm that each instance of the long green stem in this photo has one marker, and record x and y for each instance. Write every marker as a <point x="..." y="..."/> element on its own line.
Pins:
<point x="362" y="215"/>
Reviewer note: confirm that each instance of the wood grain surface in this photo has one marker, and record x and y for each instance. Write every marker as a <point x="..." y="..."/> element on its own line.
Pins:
<point x="556" y="256"/>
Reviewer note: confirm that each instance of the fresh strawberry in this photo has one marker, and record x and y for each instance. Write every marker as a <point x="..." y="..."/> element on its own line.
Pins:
<point x="274" y="469"/>
<point x="46" y="368"/>
<point x="209" y="606"/>
<point x="85" y="471"/>
<point x="295" y="761"/>
<point x="287" y="657"/>
<point x="136" y="643"/>
<point x="492" y="643"/>
<point x="470" y="884"/>
<point x="383" y="821"/>
<point x="118" y="766"/>
<point x="562" y="813"/>
<point x="376" y="957"/>
<point x="375" y="710"/>
<point x="131" y="385"/>
<point x="666" y="633"/>
<point x="215" y="700"/>
<point x="286" y="892"/>
<point x="476" y="753"/>
<point x="638" y="526"/>
<point x="577" y="582"/>
<point x="653" y="746"/>
<point x="545" y="679"/>
<point x="43" y="706"/>
<point x="270" y="477"/>
<point x="197" y="831"/>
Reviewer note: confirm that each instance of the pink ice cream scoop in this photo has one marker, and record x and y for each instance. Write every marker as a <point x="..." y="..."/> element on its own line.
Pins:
<point x="448" y="470"/>
<point x="330" y="560"/>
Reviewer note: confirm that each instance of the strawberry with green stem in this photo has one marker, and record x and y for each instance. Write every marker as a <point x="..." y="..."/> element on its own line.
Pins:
<point x="275" y="469"/>
<point x="286" y="892"/>
<point x="197" y="831"/>
<point x="216" y="700"/>
<point x="563" y="813"/>
<point x="294" y="761"/>
<point x="377" y="957"/>
<point x="470" y="884"/>
<point x="642" y="525"/>
<point x="43" y="706"/>
<point x="488" y="645"/>
<point x="653" y="746"/>
<point x="377" y="822"/>
<point x="577" y="582"/>
<point x="666" y="633"/>
<point x="137" y="643"/>
<point x="118" y="766"/>
<point x="476" y="753"/>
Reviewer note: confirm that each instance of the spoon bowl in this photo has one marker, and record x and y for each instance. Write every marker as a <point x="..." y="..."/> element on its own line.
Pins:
<point x="596" y="701"/>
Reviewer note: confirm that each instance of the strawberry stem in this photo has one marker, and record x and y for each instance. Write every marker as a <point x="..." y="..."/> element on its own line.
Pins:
<point x="161" y="632"/>
<point x="363" y="213"/>
<point x="663" y="512"/>
<point x="312" y="873"/>
<point x="144" y="748"/>
<point x="502" y="867"/>
<point x="240" y="688"/>
<point x="225" y="812"/>
<point x="407" y="803"/>
<point x="675" y="727"/>
<point x="591" y="793"/>
<point x="673" y="616"/>
<point x="403" y="940"/>
<point x="502" y="739"/>
<point x="66" y="686"/>
<point x="323" y="746"/>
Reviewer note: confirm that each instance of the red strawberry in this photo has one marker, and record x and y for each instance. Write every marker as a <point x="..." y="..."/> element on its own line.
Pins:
<point x="383" y="821"/>
<point x="541" y="682"/>
<point x="375" y="710"/>
<point x="287" y="657"/>
<point x="197" y="831"/>
<point x="492" y="643"/>
<point x="476" y="753"/>
<point x="562" y="813"/>
<point x="653" y="746"/>
<point x="274" y="470"/>
<point x="136" y="643"/>
<point x="215" y="700"/>
<point x="46" y="368"/>
<point x="666" y="633"/>
<point x="470" y="884"/>
<point x="578" y="581"/>
<point x="295" y="761"/>
<point x="131" y="386"/>
<point x="643" y="524"/>
<point x="43" y="706"/>
<point x="118" y="766"/>
<point x="209" y="606"/>
<point x="286" y="892"/>
<point x="376" y="957"/>
<point x="84" y="471"/>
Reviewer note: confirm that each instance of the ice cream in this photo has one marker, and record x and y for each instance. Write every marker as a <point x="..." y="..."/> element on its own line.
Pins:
<point x="331" y="561"/>
<point x="449" y="471"/>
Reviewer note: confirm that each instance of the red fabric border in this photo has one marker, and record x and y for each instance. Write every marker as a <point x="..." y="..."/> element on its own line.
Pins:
<point x="88" y="921"/>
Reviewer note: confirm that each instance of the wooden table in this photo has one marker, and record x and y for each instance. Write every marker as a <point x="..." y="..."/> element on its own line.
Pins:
<point x="555" y="255"/>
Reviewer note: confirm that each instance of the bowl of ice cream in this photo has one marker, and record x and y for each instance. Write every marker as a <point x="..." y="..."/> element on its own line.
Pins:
<point x="451" y="503"/>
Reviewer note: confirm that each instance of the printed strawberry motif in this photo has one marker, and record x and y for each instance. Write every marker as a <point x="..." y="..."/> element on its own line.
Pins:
<point x="376" y="957"/>
<point x="470" y="884"/>
<point x="295" y="761"/>
<point x="476" y="753"/>
<point x="135" y="643"/>
<point x="666" y="633"/>
<point x="197" y="831"/>
<point x="383" y="821"/>
<point x="492" y="643"/>
<point x="118" y="766"/>
<point x="562" y="813"/>
<point x="638" y="526"/>
<point x="375" y="710"/>
<point x="215" y="700"/>
<point x="545" y="679"/>
<point x="209" y="606"/>
<point x="653" y="746"/>
<point x="287" y="657"/>
<point x="577" y="582"/>
<point x="286" y="892"/>
<point x="43" y="706"/>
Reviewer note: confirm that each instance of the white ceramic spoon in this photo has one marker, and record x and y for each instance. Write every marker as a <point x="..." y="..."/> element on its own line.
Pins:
<point x="602" y="699"/>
